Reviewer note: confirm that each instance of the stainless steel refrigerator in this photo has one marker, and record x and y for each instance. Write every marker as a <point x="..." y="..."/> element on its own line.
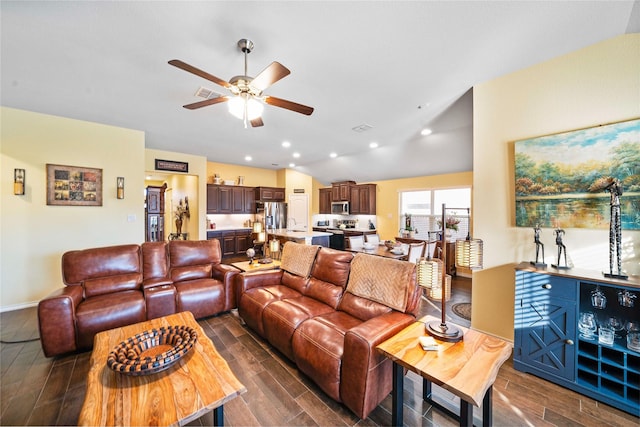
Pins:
<point x="275" y="215"/>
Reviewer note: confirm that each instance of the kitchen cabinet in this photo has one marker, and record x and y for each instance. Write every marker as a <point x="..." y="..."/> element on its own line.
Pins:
<point x="341" y="191"/>
<point x="232" y="242"/>
<point x="363" y="199"/>
<point x="269" y="194"/>
<point x="154" y="213"/>
<point x="230" y="199"/>
<point x="547" y="342"/>
<point x="213" y="196"/>
<point x="325" y="201"/>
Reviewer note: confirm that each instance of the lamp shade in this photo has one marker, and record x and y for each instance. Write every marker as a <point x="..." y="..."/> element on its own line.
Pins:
<point x="428" y="272"/>
<point x="242" y="104"/>
<point x="469" y="253"/>
<point x="257" y="227"/>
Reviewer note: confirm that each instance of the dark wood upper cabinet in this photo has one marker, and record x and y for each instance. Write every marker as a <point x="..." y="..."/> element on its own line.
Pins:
<point x="230" y="199"/>
<point x="213" y="197"/>
<point x="269" y="194"/>
<point x="341" y="191"/>
<point x="325" y="201"/>
<point x="363" y="199"/>
<point x="225" y="199"/>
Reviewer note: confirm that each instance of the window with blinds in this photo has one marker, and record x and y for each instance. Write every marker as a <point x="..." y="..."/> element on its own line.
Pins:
<point x="425" y="208"/>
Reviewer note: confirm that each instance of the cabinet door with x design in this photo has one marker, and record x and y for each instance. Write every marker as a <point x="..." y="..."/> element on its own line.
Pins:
<point x="545" y="324"/>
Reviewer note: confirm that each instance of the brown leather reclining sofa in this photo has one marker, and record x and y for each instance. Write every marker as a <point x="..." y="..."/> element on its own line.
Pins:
<point x="115" y="286"/>
<point x="327" y="310"/>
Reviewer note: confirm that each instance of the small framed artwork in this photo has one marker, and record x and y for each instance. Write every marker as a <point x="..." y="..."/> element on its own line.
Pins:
<point x="73" y="186"/>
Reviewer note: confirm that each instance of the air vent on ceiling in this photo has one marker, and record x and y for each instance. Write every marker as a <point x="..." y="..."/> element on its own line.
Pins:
<point x="206" y="93"/>
<point x="362" y="128"/>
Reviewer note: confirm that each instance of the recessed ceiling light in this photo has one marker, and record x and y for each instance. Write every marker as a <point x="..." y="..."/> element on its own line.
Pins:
<point x="373" y="145"/>
<point x="292" y="165"/>
<point x="296" y="155"/>
<point x="333" y="155"/>
<point x="248" y="158"/>
<point x="286" y="144"/>
<point x="425" y="132"/>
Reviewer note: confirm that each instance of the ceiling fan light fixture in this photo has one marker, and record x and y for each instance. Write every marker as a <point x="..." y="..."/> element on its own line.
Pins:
<point x="240" y="105"/>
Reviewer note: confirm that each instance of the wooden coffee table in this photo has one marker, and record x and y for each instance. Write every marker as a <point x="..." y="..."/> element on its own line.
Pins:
<point x="467" y="369"/>
<point x="196" y="384"/>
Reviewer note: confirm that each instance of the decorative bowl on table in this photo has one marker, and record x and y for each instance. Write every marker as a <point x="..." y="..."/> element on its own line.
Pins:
<point x="391" y="244"/>
<point x="152" y="351"/>
<point x="369" y="246"/>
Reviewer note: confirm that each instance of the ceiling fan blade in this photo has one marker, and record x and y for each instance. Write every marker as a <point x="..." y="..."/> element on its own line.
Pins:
<point x="257" y="122"/>
<point x="289" y="105"/>
<point x="274" y="72"/>
<point x="198" y="72"/>
<point x="206" y="102"/>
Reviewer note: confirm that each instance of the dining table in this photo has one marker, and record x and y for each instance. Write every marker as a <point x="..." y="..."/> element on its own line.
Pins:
<point x="381" y="250"/>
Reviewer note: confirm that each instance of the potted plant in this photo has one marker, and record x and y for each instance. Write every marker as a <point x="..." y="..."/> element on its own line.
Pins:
<point x="450" y="223"/>
<point x="408" y="230"/>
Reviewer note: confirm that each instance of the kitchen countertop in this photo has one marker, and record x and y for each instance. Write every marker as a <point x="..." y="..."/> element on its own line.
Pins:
<point x="298" y="234"/>
<point x="361" y="229"/>
<point x="229" y="228"/>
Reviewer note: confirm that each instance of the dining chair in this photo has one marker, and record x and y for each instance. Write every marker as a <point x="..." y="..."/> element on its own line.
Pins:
<point x="355" y="242"/>
<point x="416" y="251"/>
<point x="372" y="238"/>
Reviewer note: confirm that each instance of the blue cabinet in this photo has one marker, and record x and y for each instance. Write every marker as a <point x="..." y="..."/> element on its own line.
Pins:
<point x="547" y="343"/>
<point x="545" y="324"/>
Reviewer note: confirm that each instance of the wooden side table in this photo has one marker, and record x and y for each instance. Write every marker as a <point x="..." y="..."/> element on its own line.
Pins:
<point x="244" y="266"/>
<point x="467" y="369"/>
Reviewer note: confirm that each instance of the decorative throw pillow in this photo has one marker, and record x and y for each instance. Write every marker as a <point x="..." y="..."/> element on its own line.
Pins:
<point x="298" y="258"/>
<point x="381" y="280"/>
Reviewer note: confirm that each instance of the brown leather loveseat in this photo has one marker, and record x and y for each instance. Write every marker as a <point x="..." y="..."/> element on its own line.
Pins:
<point x="115" y="286"/>
<point x="327" y="310"/>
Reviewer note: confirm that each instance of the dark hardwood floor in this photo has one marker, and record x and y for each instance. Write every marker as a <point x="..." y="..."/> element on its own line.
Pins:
<point x="50" y="391"/>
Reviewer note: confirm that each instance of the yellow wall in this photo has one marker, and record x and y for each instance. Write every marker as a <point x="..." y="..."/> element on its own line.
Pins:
<point x="592" y="86"/>
<point x="253" y="177"/>
<point x="34" y="235"/>
<point x="387" y="197"/>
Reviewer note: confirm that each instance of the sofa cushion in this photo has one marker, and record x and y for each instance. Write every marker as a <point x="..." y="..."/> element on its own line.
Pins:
<point x="318" y="346"/>
<point x="253" y="301"/>
<point x="194" y="252"/>
<point x="108" y="311"/>
<point x="281" y="318"/>
<point x="202" y="297"/>
<point x="329" y="276"/>
<point x="298" y="258"/>
<point x="181" y="274"/>
<point x="155" y="261"/>
<point x="362" y="308"/>
<point x="387" y="281"/>
<point x="111" y="284"/>
<point x="81" y="265"/>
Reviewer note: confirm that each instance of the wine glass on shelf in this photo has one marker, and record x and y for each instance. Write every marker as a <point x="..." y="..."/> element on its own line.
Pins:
<point x="616" y="324"/>
<point x="587" y="325"/>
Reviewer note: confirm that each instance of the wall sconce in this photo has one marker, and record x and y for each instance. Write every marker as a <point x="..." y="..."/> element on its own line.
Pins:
<point x="18" y="182"/>
<point x="120" y="187"/>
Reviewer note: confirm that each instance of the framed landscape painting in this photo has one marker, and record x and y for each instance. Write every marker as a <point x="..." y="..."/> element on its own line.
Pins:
<point x="73" y="186"/>
<point x="554" y="174"/>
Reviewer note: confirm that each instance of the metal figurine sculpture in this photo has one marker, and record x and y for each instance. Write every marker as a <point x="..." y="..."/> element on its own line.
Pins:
<point x="615" y="229"/>
<point x="613" y="186"/>
<point x="539" y="246"/>
<point x="559" y="232"/>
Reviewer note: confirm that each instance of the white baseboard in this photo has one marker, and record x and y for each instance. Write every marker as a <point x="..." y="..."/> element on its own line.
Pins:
<point x="18" y="306"/>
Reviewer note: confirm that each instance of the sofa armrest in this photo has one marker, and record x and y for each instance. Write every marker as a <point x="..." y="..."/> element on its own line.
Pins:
<point x="256" y="279"/>
<point x="226" y="274"/>
<point x="366" y="373"/>
<point x="57" y="320"/>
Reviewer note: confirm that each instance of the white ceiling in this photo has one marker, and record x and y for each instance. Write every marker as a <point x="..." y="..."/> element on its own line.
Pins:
<point x="396" y="66"/>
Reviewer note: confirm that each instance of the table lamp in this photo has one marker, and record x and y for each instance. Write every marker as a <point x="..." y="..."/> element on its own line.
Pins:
<point x="470" y="256"/>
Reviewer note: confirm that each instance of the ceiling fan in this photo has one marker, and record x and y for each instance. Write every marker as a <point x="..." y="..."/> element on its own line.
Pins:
<point x="246" y="100"/>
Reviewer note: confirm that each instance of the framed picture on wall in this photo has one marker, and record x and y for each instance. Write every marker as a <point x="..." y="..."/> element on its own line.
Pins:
<point x="555" y="176"/>
<point x="73" y="186"/>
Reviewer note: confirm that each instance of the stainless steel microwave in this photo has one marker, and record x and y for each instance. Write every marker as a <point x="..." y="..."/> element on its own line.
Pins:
<point x="340" y="208"/>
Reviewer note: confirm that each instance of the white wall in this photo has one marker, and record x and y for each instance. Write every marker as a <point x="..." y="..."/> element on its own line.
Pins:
<point x="34" y="235"/>
<point x="596" y="85"/>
